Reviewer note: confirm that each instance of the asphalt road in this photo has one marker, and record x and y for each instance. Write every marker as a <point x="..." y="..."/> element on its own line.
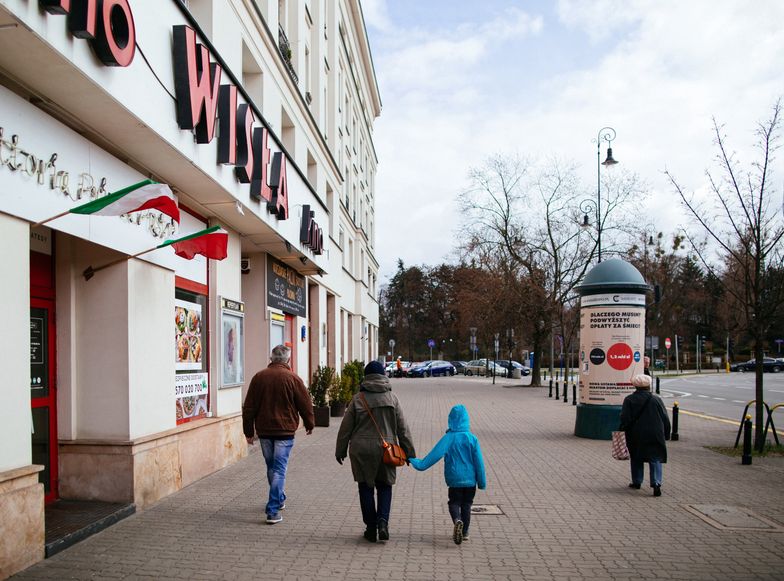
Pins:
<point x="722" y="395"/>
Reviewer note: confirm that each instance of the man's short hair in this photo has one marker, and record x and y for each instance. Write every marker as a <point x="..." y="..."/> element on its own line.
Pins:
<point x="280" y="354"/>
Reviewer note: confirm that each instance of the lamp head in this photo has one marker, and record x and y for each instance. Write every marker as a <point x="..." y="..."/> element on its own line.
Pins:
<point x="610" y="160"/>
<point x="585" y="223"/>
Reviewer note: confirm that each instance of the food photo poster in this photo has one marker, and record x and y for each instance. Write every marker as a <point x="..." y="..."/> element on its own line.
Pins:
<point x="188" y="349"/>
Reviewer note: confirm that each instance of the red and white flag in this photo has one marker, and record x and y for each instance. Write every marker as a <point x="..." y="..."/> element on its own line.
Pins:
<point x="212" y="243"/>
<point x="145" y="195"/>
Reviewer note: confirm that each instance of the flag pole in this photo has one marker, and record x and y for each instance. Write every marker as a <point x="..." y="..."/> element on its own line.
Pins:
<point x="42" y="222"/>
<point x="90" y="271"/>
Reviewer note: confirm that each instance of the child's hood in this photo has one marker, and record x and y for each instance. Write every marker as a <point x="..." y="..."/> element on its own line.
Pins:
<point x="458" y="419"/>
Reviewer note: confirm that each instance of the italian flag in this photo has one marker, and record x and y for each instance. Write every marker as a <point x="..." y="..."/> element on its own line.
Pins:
<point x="212" y="243"/>
<point x="145" y="195"/>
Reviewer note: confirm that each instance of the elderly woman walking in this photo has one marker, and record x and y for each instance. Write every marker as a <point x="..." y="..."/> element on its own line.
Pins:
<point x="647" y="426"/>
<point x="359" y="437"/>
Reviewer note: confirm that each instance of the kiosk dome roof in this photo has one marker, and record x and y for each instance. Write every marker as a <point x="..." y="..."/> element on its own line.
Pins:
<point x="613" y="275"/>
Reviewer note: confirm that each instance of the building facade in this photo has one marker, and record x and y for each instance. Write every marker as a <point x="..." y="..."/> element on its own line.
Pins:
<point x="127" y="385"/>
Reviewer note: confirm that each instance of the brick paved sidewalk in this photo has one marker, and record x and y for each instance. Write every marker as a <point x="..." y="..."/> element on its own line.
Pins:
<point x="568" y="513"/>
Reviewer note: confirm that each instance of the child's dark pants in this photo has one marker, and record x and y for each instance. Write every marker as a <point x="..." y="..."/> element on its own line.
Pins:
<point x="460" y="501"/>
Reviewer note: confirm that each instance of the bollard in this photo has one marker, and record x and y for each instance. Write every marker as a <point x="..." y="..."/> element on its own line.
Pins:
<point x="557" y="390"/>
<point x="574" y="394"/>
<point x="674" y="436"/>
<point x="566" y="388"/>
<point x="746" y="458"/>
<point x="551" y="389"/>
<point x="657" y="386"/>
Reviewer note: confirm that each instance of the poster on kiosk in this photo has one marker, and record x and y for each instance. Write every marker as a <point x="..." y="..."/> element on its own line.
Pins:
<point x="612" y="338"/>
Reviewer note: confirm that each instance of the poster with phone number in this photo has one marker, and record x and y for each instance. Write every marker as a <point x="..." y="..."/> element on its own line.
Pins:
<point x="190" y="392"/>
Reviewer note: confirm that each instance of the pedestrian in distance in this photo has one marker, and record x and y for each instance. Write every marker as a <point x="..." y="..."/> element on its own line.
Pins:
<point x="276" y="400"/>
<point x="358" y="438"/>
<point x="399" y="367"/>
<point x="646" y="424"/>
<point x="646" y="363"/>
<point x="464" y="469"/>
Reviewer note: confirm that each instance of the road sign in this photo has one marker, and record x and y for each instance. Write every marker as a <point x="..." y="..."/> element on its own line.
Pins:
<point x="391" y="343"/>
<point x="431" y="343"/>
<point x="667" y="343"/>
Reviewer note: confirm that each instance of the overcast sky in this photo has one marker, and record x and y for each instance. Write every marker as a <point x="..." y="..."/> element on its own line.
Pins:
<point x="463" y="79"/>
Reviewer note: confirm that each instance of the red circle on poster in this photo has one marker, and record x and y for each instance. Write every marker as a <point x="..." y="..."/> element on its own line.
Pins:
<point x="619" y="356"/>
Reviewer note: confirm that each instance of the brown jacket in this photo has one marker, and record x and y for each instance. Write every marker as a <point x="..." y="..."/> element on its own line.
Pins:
<point x="276" y="397"/>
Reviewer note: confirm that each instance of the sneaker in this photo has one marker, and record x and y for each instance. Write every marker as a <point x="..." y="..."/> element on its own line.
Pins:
<point x="466" y="538"/>
<point x="274" y="518"/>
<point x="383" y="530"/>
<point x="370" y="534"/>
<point x="633" y="485"/>
<point x="282" y="506"/>
<point x="657" y="490"/>
<point x="457" y="533"/>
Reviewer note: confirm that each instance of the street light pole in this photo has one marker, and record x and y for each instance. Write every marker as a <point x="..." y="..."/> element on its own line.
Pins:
<point x="606" y="134"/>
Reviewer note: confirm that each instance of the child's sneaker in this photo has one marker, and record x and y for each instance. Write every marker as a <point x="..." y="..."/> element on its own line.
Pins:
<point x="457" y="533"/>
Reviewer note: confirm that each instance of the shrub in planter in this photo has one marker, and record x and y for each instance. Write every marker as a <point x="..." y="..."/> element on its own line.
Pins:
<point x="319" y="385"/>
<point x="337" y="403"/>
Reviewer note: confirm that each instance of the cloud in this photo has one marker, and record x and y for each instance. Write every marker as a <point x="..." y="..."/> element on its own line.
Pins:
<point x="656" y="72"/>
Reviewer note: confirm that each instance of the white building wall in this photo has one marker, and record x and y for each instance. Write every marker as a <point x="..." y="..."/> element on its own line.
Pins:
<point x="15" y="343"/>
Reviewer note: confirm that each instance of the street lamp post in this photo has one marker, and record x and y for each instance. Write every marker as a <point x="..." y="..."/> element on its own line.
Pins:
<point x="605" y="134"/>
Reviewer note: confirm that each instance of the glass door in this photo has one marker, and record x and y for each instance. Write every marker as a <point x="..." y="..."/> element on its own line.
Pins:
<point x="43" y="394"/>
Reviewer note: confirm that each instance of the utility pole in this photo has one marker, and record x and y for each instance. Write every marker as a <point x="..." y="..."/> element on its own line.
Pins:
<point x="699" y="363"/>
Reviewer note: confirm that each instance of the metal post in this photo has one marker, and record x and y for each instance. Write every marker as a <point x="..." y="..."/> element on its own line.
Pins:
<point x="551" y="388"/>
<point x="557" y="390"/>
<point x="574" y="394"/>
<point x="566" y="389"/>
<point x="746" y="458"/>
<point x="677" y="357"/>
<point x="674" y="436"/>
<point x="657" y="386"/>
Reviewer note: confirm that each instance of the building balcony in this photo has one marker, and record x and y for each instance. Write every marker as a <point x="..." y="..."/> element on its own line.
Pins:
<point x="284" y="47"/>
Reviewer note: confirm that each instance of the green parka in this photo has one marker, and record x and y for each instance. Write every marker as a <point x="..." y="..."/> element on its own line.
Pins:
<point x="359" y="437"/>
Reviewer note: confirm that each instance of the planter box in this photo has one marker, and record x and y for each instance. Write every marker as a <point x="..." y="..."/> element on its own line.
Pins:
<point x="322" y="416"/>
<point x="337" y="409"/>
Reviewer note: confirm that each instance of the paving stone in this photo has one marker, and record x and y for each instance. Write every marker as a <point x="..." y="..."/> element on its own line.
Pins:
<point x="568" y="513"/>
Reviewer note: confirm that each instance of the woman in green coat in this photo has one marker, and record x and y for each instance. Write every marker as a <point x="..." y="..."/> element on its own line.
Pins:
<point x="359" y="439"/>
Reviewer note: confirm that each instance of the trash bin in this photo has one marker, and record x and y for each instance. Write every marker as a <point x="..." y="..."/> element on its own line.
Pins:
<point x="516" y="374"/>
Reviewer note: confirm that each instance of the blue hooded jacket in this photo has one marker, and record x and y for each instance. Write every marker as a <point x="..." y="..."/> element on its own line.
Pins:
<point x="463" y="463"/>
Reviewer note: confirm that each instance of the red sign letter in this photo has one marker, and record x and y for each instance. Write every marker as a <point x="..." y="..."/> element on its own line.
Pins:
<point x="115" y="43"/>
<point x="196" y="83"/>
<point x="245" y="119"/>
<point x="279" y="204"/>
<point x="227" y="119"/>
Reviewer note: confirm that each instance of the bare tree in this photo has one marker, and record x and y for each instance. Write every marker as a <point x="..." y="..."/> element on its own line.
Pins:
<point x="744" y="226"/>
<point x="528" y="219"/>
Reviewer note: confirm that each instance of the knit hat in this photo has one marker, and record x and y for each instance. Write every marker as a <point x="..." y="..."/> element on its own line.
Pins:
<point x="374" y="367"/>
<point x="641" y="380"/>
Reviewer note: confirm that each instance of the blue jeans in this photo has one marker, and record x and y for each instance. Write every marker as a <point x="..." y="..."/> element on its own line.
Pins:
<point x="460" y="501"/>
<point x="638" y="471"/>
<point x="276" y="455"/>
<point x="367" y="502"/>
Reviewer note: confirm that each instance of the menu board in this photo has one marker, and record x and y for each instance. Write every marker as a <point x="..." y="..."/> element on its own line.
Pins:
<point x="285" y="288"/>
<point x="188" y="345"/>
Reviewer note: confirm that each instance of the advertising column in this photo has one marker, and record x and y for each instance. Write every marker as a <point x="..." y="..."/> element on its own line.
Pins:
<point x="612" y="339"/>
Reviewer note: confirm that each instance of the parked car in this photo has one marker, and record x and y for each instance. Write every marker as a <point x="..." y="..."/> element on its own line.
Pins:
<point x="484" y="367"/>
<point x="476" y="367"/>
<point x="768" y="364"/>
<point x="512" y="365"/>
<point x="459" y="366"/>
<point x="432" y="368"/>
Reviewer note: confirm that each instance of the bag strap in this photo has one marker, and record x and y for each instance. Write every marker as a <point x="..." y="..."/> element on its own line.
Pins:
<point x="367" y="407"/>
<point x="639" y="415"/>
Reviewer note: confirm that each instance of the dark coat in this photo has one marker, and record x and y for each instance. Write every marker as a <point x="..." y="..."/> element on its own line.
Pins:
<point x="645" y="438"/>
<point x="359" y="437"/>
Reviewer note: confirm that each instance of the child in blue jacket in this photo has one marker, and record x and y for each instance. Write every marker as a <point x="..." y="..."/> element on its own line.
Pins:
<point x="464" y="469"/>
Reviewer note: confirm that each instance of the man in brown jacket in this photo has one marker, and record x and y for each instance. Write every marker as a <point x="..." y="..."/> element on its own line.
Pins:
<point x="276" y="399"/>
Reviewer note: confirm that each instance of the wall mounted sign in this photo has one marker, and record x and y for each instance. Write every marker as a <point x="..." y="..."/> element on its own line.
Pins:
<point x="189" y="350"/>
<point x="106" y="24"/>
<point x="285" y="288"/>
<point x="202" y="102"/>
<point x="39" y="341"/>
<point x="190" y="393"/>
<point x="310" y="234"/>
